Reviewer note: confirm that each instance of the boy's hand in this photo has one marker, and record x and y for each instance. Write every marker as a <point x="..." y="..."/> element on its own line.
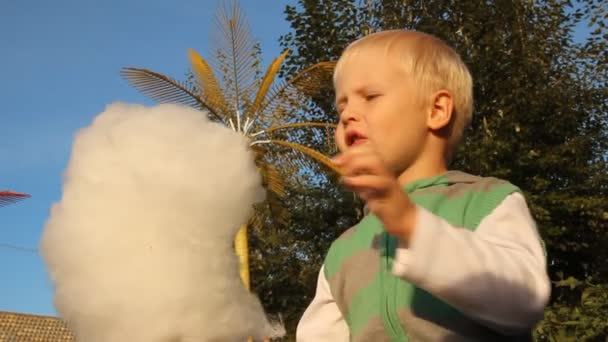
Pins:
<point x="367" y="175"/>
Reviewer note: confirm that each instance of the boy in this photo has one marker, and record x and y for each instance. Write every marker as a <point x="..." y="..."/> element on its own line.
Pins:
<point x="444" y="255"/>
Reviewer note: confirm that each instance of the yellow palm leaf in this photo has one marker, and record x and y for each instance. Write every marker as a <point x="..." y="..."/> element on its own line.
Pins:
<point x="271" y="177"/>
<point x="319" y="134"/>
<point x="241" y="247"/>
<point x="164" y="89"/>
<point x="267" y="81"/>
<point x="279" y="103"/>
<point x="273" y="180"/>
<point x="300" y="125"/>
<point x="309" y="152"/>
<point x="207" y="83"/>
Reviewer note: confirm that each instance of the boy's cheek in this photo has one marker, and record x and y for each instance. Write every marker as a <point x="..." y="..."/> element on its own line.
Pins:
<point x="339" y="140"/>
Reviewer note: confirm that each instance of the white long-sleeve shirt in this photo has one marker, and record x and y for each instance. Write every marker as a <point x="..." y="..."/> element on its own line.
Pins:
<point x="504" y="256"/>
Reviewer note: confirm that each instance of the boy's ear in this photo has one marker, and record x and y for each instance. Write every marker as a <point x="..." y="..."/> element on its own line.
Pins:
<point x="442" y="108"/>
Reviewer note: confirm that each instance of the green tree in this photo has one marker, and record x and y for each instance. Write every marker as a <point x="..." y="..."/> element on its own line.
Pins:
<point x="540" y="118"/>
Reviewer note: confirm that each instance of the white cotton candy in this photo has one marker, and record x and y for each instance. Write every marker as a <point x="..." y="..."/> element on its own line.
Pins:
<point x="140" y="247"/>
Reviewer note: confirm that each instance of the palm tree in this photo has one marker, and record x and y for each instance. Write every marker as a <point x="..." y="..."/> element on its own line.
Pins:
<point x="9" y="197"/>
<point x="262" y="108"/>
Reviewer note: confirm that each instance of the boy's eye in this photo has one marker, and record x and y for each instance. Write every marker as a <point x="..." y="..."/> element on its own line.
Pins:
<point x="371" y="97"/>
<point x="339" y="108"/>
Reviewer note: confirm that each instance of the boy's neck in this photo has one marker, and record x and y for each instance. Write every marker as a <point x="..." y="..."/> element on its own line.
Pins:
<point x="421" y="170"/>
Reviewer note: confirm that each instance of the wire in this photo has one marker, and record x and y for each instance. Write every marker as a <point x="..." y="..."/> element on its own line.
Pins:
<point x="18" y="248"/>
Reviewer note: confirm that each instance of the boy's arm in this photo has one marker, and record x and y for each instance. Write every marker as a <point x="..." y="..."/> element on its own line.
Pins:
<point x="496" y="274"/>
<point x="322" y="321"/>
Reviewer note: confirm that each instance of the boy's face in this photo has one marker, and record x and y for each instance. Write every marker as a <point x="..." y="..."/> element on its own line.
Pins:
<point x="378" y="104"/>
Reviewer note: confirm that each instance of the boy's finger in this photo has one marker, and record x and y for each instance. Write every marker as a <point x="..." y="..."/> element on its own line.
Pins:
<point x="353" y="152"/>
<point x="366" y="184"/>
<point x="338" y="159"/>
<point x="361" y="165"/>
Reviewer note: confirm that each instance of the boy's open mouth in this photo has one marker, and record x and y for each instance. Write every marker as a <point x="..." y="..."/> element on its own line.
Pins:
<point x="354" y="138"/>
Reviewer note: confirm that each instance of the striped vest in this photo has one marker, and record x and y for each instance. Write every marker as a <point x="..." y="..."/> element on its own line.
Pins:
<point x="378" y="306"/>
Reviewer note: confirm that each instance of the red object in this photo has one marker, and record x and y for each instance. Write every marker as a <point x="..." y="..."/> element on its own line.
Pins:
<point x="9" y="197"/>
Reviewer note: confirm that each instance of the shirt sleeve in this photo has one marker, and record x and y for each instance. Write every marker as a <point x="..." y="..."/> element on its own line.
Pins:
<point x="496" y="274"/>
<point x="322" y="321"/>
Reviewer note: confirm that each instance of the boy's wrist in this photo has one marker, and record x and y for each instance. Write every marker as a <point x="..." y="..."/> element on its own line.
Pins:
<point x="408" y="225"/>
<point x="402" y="222"/>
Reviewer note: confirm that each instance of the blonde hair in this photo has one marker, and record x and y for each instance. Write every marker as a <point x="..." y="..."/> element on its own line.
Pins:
<point x="432" y="64"/>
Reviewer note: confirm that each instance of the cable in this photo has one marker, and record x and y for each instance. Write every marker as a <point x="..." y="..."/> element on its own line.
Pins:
<point x="18" y="248"/>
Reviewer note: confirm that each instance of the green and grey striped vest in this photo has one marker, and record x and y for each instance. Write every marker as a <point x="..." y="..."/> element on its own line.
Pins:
<point x="378" y="306"/>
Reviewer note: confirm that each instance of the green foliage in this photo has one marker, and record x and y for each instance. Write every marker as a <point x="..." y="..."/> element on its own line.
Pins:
<point x="540" y="121"/>
<point x="585" y="321"/>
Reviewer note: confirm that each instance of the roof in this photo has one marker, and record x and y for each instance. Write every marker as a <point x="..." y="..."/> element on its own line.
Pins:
<point x="17" y="327"/>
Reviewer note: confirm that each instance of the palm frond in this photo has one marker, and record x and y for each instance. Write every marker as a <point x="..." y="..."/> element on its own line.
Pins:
<point x="268" y="80"/>
<point x="241" y="247"/>
<point x="272" y="179"/>
<point x="257" y="219"/>
<point x="164" y="89"/>
<point x="210" y="89"/>
<point x="319" y="136"/>
<point x="235" y="53"/>
<point x="300" y="125"/>
<point x="309" y="152"/>
<point x="279" y="213"/>
<point x="311" y="82"/>
<point x="272" y="209"/>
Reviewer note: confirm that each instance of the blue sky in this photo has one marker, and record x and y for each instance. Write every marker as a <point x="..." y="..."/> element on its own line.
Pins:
<point x="60" y="63"/>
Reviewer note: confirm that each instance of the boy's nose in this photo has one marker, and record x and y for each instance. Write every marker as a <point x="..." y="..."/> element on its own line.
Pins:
<point x="349" y="115"/>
